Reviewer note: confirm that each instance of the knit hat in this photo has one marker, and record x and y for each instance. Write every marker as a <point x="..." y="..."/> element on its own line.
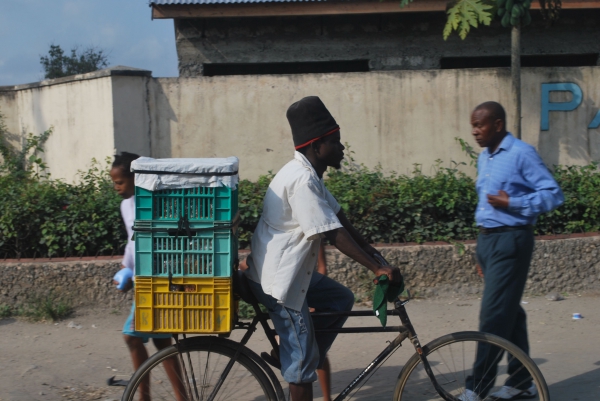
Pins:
<point x="310" y="121"/>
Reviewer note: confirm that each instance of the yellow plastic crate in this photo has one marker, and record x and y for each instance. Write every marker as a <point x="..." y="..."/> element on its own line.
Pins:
<point x="193" y="305"/>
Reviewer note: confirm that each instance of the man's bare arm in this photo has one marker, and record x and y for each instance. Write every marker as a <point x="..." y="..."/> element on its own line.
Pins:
<point x="358" y="238"/>
<point x="342" y="240"/>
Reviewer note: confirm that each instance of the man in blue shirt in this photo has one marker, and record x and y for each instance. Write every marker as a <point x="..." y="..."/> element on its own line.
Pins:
<point x="514" y="187"/>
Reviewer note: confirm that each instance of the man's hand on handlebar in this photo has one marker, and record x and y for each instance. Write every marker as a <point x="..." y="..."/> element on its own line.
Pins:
<point x="393" y="274"/>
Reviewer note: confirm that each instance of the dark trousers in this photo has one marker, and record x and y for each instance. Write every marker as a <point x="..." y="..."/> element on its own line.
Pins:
<point x="505" y="259"/>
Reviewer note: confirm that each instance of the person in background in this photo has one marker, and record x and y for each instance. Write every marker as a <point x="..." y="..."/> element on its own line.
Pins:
<point x="123" y="181"/>
<point x="514" y="187"/>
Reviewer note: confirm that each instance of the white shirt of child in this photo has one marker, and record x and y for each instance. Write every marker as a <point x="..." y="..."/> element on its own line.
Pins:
<point x="297" y="210"/>
<point x="128" y="214"/>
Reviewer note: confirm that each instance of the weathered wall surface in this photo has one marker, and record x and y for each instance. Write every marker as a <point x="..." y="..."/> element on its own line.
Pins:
<point x="563" y="265"/>
<point x="390" y="118"/>
<point x="91" y="115"/>
<point x="405" y="41"/>
<point x="86" y="283"/>
<point x="395" y="119"/>
<point x="80" y="113"/>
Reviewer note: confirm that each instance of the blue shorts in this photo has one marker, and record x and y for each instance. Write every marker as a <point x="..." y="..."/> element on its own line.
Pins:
<point x="301" y="352"/>
<point x="129" y="328"/>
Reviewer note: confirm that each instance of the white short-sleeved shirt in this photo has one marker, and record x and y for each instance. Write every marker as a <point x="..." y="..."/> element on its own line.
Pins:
<point x="128" y="214"/>
<point x="297" y="210"/>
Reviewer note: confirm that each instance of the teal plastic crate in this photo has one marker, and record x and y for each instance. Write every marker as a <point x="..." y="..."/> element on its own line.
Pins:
<point x="207" y="253"/>
<point x="164" y="208"/>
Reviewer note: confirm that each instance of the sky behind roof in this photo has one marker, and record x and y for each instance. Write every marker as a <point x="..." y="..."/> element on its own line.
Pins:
<point x="122" y="28"/>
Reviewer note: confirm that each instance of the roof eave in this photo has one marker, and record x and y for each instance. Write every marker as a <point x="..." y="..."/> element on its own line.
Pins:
<point x="271" y="9"/>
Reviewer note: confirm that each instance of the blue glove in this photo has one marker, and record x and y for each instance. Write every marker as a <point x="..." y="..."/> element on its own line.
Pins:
<point x="122" y="277"/>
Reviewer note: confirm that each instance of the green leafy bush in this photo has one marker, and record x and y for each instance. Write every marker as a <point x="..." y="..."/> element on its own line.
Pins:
<point x="42" y="217"/>
<point x="437" y="207"/>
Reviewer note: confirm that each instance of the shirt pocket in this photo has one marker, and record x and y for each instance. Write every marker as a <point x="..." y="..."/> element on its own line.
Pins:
<point x="497" y="185"/>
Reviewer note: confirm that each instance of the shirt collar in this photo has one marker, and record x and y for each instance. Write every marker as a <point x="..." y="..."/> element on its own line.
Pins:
<point x="506" y="144"/>
<point x="305" y="163"/>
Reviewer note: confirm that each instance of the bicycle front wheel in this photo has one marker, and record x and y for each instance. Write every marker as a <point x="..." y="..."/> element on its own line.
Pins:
<point x="203" y="369"/>
<point x="452" y="360"/>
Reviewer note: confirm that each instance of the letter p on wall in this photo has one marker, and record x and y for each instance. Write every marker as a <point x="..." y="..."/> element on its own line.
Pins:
<point x="548" y="106"/>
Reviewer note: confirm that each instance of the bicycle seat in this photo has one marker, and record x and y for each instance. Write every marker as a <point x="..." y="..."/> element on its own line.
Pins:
<point x="242" y="288"/>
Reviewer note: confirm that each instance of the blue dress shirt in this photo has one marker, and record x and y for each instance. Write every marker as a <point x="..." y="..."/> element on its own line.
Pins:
<point x="516" y="168"/>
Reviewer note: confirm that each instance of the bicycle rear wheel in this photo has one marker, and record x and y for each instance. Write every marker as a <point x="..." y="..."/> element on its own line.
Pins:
<point x="451" y="358"/>
<point x="199" y="374"/>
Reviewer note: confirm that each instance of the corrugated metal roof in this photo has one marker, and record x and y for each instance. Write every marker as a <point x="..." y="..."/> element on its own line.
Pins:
<point x="173" y="2"/>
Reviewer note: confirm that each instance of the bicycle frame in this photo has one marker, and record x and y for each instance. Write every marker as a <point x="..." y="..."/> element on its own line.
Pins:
<point x="406" y="330"/>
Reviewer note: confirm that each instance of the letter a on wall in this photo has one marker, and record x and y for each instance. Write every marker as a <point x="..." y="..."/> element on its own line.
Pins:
<point x="548" y="106"/>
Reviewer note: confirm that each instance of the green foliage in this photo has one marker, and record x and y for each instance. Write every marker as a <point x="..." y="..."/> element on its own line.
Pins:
<point x="251" y="196"/>
<point x="514" y="12"/>
<point x="5" y="311"/>
<point x="40" y="217"/>
<point x="24" y="162"/>
<point x="465" y="14"/>
<point x="49" y="307"/>
<point x="49" y="218"/>
<point x="468" y="149"/>
<point x="437" y="207"/>
<point x="581" y="210"/>
<point x="404" y="208"/>
<point x="246" y="311"/>
<point x="57" y="64"/>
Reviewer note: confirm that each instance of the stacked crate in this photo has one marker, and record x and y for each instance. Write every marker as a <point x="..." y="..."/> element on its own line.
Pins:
<point x="185" y="249"/>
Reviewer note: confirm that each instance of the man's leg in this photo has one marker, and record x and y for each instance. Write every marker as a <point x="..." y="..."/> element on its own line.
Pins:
<point x="504" y="259"/>
<point x="298" y="351"/>
<point x="327" y="295"/>
<point x="324" y="374"/>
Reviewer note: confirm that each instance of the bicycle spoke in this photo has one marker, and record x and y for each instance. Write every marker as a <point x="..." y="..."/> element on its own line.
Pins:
<point x="455" y="369"/>
<point x="214" y="370"/>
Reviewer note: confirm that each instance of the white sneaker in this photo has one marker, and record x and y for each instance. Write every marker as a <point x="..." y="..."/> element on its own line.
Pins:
<point x="511" y="393"/>
<point x="469" y="395"/>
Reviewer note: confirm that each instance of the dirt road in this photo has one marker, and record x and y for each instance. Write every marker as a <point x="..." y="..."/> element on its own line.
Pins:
<point x="73" y="358"/>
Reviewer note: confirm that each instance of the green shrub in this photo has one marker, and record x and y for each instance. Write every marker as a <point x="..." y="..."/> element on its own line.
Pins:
<point x="5" y="311"/>
<point x="47" y="307"/>
<point x="40" y="217"/>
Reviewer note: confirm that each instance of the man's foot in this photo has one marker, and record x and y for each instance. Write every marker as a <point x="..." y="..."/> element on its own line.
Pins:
<point x="511" y="393"/>
<point x="469" y="395"/>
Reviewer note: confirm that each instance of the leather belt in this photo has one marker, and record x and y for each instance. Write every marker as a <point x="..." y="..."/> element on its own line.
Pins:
<point x="504" y="229"/>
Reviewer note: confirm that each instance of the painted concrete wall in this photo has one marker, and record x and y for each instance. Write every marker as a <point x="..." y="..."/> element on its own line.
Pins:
<point x="131" y="114"/>
<point x="394" y="119"/>
<point x="402" y="41"/>
<point x="80" y="113"/>
<point x="91" y="115"/>
<point x="390" y="118"/>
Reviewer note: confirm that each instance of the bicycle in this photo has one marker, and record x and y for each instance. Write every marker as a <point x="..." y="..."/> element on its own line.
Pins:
<point x="216" y="368"/>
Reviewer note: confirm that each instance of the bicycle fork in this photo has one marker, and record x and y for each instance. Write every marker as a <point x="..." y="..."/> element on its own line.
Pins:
<point x="412" y="336"/>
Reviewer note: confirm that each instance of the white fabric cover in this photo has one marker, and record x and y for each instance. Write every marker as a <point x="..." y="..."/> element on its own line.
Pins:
<point x="156" y="182"/>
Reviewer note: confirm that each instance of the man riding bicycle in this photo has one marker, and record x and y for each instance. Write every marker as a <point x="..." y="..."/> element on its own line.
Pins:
<point x="298" y="211"/>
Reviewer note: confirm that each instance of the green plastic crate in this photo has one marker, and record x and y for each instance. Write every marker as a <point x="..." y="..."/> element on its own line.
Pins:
<point x="164" y="208"/>
<point x="206" y="253"/>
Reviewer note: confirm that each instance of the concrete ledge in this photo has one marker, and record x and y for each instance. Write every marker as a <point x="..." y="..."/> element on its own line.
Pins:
<point x="559" y="265"/>
<point x="118" y="70"/>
